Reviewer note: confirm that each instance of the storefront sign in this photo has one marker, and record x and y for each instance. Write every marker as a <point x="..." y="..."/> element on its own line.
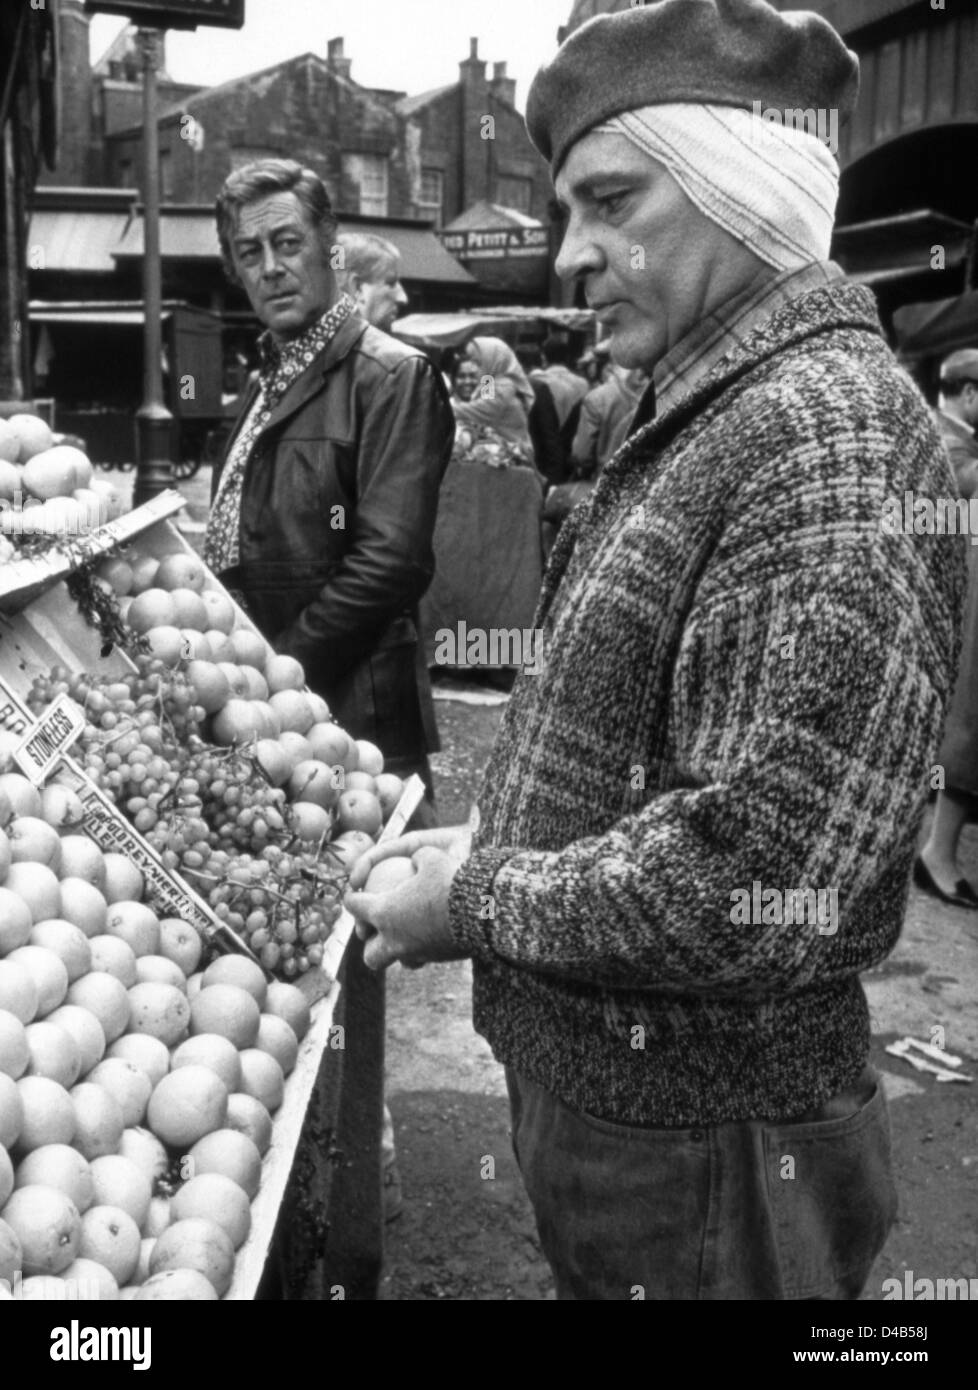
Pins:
<point x="497" y="243"/>
<point x="174" y="14"/>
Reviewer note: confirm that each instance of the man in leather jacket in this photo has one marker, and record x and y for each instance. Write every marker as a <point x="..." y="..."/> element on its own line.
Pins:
<point x="323" y="510"/>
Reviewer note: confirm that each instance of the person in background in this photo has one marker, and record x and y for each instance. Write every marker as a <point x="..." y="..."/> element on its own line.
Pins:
<point x="465" y="381"/>
<point x="544" y="423"/>
<point x="606" y="413"/>
<point x="370" y="275"/>
<point x="936" y="870"/>
<point x="503" y="397"/>
<point x="323" y="511"/>
<point x="567" y="388"/>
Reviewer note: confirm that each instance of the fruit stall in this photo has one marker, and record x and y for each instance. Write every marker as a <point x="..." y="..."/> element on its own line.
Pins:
<point x="191" y="1049"/>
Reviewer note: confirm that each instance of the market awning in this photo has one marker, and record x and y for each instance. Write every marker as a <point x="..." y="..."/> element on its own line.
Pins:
<point x="888" y="249"/>
<point x="190" y="234"/>
<point x="104" y="315"/>
<point x="76" y="241"/>
<point x="451" y="330"/>
<point x="937" y="328"/>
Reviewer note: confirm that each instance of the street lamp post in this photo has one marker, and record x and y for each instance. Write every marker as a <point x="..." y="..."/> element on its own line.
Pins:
<point x="154" y="472"/>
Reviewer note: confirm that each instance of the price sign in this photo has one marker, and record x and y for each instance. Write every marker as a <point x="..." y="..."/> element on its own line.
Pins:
<point x="174" y="14"/>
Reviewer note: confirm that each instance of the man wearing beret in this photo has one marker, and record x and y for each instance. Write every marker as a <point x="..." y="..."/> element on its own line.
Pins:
<point x="697" y="826"/>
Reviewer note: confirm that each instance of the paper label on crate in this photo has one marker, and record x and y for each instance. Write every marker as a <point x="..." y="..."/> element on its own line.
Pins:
<point x="111" y="832"/>
<point x="46" y="743"/>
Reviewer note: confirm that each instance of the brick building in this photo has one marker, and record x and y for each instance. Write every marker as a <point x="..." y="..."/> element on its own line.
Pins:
<point x="381" y="153"/>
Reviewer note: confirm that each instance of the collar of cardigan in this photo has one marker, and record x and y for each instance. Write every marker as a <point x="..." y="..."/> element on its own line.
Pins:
<point x="822" y="310"/>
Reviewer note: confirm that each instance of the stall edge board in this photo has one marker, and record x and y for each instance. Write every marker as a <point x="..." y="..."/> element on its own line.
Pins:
<point x="287" y="1126"/>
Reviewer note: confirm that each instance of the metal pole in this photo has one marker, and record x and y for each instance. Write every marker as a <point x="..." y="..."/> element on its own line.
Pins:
<point x="154" y="472"/>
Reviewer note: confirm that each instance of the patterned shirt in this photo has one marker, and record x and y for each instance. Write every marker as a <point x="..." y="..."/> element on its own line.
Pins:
<point x="281" y="365"/>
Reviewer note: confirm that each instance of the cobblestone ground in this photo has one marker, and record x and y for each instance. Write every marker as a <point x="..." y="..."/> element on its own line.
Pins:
<point x="465" y="1236"/>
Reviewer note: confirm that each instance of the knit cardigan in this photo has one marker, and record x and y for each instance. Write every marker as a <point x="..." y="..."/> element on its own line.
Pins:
<point x="743" y="686"/>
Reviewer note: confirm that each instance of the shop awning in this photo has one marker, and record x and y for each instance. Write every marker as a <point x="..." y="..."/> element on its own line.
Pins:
<point x="190" y="234"/>
<point x="451" y="330"/>
<point x="937" y="328"/>
<point x="889" y="249"/>
<point x="77" y="241"/>
<point x="124" y="314"/>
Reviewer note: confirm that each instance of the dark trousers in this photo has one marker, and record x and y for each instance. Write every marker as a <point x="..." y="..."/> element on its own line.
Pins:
<point x="735" y="1211"/>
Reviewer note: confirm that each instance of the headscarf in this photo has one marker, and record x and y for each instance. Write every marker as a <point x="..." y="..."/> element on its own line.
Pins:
<point x="507" y="409"/>
<point x="772" y="186"/>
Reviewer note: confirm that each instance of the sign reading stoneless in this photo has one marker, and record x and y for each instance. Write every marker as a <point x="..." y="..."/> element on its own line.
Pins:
<point x="47" y="742"/>
<point x="497" y="243"/>
<point x="174" y="14"/>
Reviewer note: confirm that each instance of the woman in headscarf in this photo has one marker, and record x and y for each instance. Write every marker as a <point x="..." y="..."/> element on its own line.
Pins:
<point x="501" y="403"/>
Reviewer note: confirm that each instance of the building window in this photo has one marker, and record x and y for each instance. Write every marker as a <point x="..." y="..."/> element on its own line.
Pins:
<point x="514" y="193"/>
<point x="369" y="172"/>
<point x="166" y="175"/>
<point x="432" y="199"/>
<point x="126" y="179"/>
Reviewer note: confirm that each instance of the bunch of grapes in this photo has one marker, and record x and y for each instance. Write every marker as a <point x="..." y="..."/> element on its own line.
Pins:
<point x="210" y="813"/>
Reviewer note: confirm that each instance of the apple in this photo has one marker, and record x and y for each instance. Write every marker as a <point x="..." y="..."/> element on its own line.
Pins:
<point x="359" y="810"/>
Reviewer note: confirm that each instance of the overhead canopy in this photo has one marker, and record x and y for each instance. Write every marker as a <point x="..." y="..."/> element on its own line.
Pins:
<point x="121" y="313"/>
<point x="900" y="247"/>
<point x="190" y="234"/>
<point x="77" y="241"/>
<point x="451" y="330"/>
<point x="943" y="326"/>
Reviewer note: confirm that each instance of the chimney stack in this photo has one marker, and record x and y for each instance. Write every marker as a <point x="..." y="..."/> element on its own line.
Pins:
<point x="501" y="85"/>
<point x="335" y="60"/>
<point x="473" y="69"/>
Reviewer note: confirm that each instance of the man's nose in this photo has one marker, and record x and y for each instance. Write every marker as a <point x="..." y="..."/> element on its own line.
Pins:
<point x="578" y="255"/>
<point x="270" y="265"/>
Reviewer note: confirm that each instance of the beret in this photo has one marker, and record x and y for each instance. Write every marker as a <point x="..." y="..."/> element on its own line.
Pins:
<point x="727" y="52"/>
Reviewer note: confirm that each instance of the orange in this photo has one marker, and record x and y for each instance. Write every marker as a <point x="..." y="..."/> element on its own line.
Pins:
<point x="113" y="956"/>
<point x="47" y="1224"/>
<point x="60" y="1166"/>
<point x="359" y="810"/>
<point x="135" y="924"/>
<point x="293" y="710"/>
<point x="310" y="822"/>
<point x="93" y="1278"/>
<point x="11" y="1111"/>
<point x="249" y="648"/>
<point x="127" y="1084"/>
<point x="289" y="1003"/>
<point x="330" y="744"/>
<point x="159" y="970"/>
<point x="370" y="757"/>
<point x="48" y="1114"/>
<point x="145" y="1150"/>
<point x="248" y="1116"/>
<point x="179" y="1285"/>
<point x="180" y="571"/>
<point x="237" y="970"/>
<point x="61" y="807"/>
<point x="38" y="886"/>
<point x="33" y="435"/>
<point x="213" y="1051"/>
<point x="166" y="642"/>
<point x="316" y="782"/>
<point x="48" y="972"/>
<point x="119" y="1183"/>
<point x="152" y="608"/>
<point x="210" y="685"/>
<point x="53" y="472"/>
<point x="160" y="1010"/>
<point x="237" y="722"/>
<point x="33" y="841"/>
<point x="276" y="1037"/>
<point x="181" y="943"/>
<point x="117" y="573"/>
<point x="388" y="874"/>
<point x="274" y="761"/>
<point x="53" y="1053"/>
<point x="68" y="942"/>
<point x="219" y="643"/>
<point x="262" y="1077"/>
<point x="389" y="790"/>
<point x="228" y="1010"/>
<point x="98" y="1121"/>
<point x="86" y="1031"/>
<point x="105" y="997"/>
<point x="111" y="1236"/>
<point x="284" y="673"/>
<point x="220" y="611"/>
<point x="231" y="1153"/>
<point x="18" y="992"/>
<point x="15" y="921"/>
<point x="24" y="797"/>
<point x="196" y="1243"/>
<point x="189" y="609"/>
<point x="11" y="1255"/>
<point x="143" y="574"/>
<point x="187" y="1104"/>
<point x="217" y="1198"/>
<point x="82" y="858"/>
<point x="148" y="1054"/>
<point x="14" y="1055"/>
<point x="195" y="645"/>
<point x="123" y="881"/>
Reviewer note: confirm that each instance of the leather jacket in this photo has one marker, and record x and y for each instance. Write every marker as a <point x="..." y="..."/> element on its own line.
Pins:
<point x="338" y="508"/>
